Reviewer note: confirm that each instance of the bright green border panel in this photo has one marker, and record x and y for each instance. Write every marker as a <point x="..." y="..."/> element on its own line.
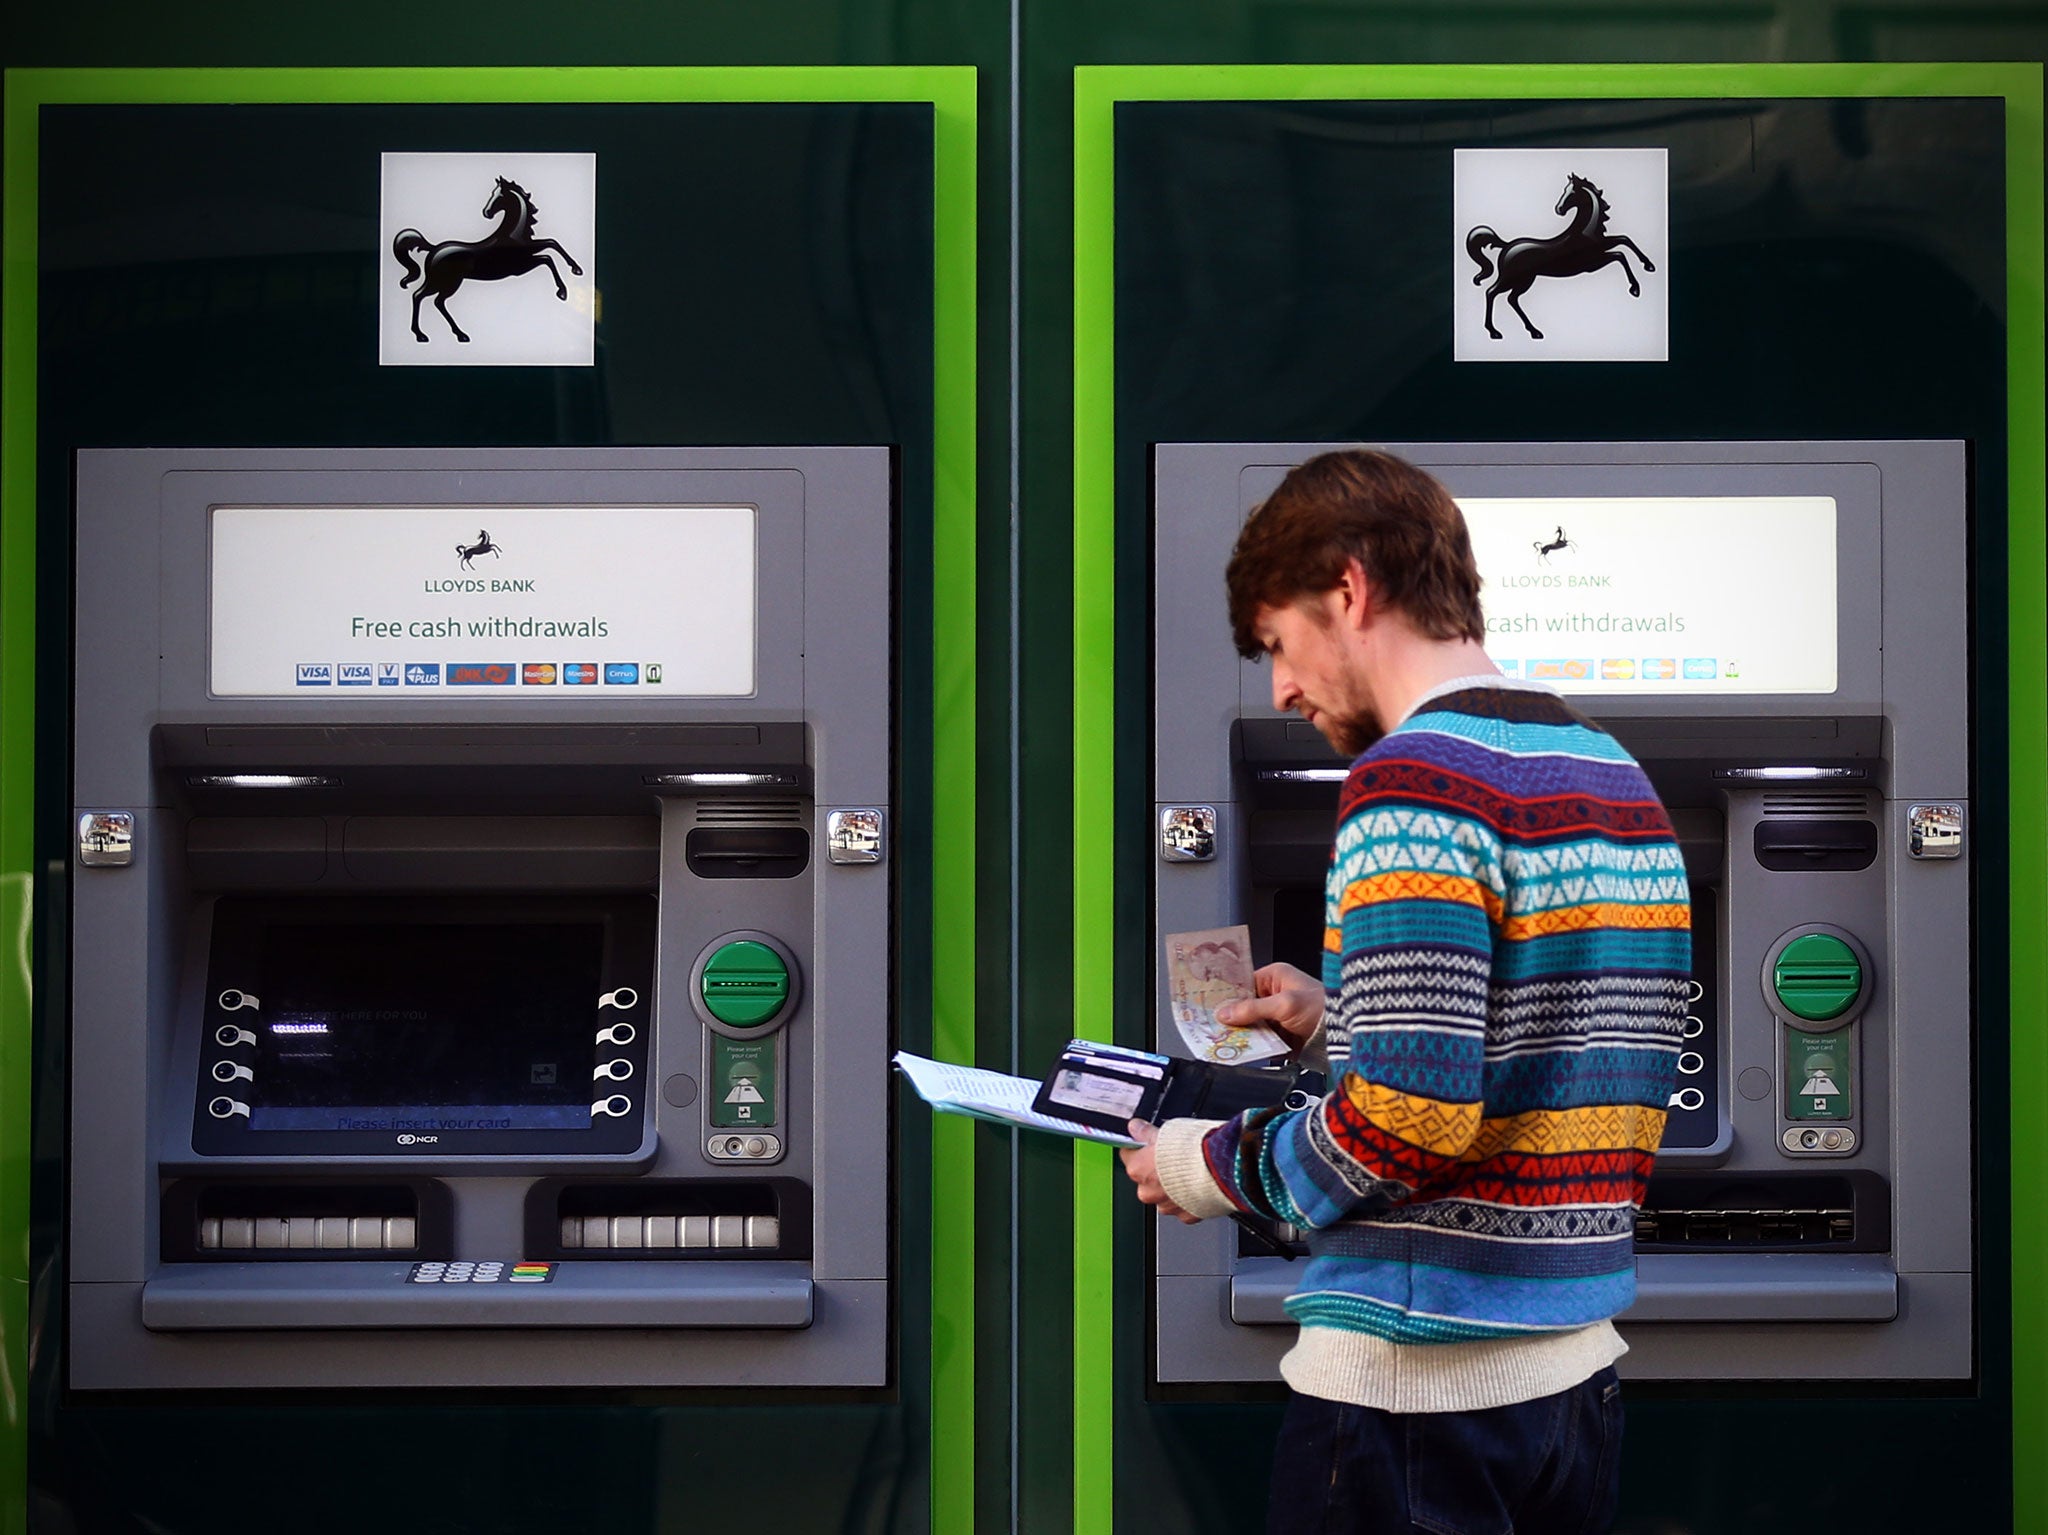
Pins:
<point x="1097" y="90"/>
<point x="951" y="91"/>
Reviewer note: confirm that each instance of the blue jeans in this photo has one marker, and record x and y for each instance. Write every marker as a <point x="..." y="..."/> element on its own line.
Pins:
<point x="1547" y="1467"/>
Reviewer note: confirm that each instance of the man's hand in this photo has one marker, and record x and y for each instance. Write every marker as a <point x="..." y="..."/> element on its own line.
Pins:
<point x="1138" y="1163"/>
<point x="1290" y="1001"/>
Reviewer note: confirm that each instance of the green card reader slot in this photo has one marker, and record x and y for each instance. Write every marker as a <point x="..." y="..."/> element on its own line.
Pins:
<point x="745" y="984"/>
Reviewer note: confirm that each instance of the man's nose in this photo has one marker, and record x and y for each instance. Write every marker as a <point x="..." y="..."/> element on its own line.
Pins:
<point x="1284" y="690"/>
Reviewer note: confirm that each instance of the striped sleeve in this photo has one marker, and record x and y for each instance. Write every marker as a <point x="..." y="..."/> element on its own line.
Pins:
<point x="1414" y="905"/>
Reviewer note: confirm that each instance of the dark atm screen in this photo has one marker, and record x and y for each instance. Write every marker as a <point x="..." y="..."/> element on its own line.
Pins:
<point x="435" y="1029"/>
<point x="413" y="1027"/>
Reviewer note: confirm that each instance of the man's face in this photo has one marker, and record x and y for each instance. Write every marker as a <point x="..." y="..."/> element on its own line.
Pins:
<point x="1315" y="672"/>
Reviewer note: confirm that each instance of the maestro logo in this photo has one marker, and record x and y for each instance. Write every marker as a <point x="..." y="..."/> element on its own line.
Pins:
<point x="1558" y="227"/>
<point x="475" y="274"/>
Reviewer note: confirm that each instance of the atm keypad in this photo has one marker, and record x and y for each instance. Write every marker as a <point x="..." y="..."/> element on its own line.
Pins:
<point x="488" y="1272"/>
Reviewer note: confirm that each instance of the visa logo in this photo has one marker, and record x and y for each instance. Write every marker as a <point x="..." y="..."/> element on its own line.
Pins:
<point x="579" y="674"/>
<point x="354" y="674"/>
<point x="423" y="674"/>
<point x="1699" y="669"/>
<point x="315" y="674"/>
<point x="480" y="674"/>
<point x="537" y="674"/>
<point x="387" y="674"/>
<point x="620" y="673"/>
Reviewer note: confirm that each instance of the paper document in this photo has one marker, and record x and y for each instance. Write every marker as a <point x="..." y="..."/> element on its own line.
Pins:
<point x="991" y="1095"/>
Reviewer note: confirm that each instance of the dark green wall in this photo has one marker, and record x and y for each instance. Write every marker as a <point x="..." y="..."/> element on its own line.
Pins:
<point x="1025" y="970"/>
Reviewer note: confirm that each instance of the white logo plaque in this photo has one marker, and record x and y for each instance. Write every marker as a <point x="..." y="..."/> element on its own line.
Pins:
<point x="1561" y="255"/>
<point x="487" y="259"/>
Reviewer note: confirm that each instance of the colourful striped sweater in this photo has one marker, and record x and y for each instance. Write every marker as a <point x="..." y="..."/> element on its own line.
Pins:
<point x="1506" y="951"/>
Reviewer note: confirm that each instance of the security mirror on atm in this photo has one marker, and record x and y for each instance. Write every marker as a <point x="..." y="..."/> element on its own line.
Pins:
<point x="1779" y="633"/>
<point x="481" y="918"/>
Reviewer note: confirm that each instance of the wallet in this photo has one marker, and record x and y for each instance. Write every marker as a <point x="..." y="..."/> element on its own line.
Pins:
<point x="1107" y="1086"/>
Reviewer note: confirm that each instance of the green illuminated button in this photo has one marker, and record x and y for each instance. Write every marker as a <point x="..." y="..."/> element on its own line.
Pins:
<point x="745" y="984"/>
<point x="1817" y="977"/>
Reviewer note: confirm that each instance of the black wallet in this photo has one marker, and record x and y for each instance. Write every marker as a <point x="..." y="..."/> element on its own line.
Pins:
<point x="1108" y="1086"/>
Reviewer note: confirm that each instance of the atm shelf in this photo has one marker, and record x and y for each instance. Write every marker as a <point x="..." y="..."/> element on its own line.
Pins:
<point x="1675" y="1287"/>
<point x="243" y="1297"/>
<point x="1764" y="1287"/>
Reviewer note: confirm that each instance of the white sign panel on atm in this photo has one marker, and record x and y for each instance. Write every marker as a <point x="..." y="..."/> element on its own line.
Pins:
<point x="399" y="602"/>
<point x="1660" y="594"/>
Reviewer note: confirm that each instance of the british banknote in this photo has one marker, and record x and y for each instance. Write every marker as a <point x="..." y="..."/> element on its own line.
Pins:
<point x="1203" y="971"/>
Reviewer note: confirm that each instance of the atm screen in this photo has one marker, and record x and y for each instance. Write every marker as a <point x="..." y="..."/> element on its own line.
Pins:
<point x="1660" y="594"/>
<point x="427" y="1029"/>
<point x="407" y="1027"/>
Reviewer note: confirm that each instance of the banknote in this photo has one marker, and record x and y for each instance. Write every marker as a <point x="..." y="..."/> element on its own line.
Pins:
<point x="1203" y="971"/>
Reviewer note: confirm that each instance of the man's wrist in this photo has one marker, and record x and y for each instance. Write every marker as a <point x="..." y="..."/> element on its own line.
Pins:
<point x="1183" y="1169"/>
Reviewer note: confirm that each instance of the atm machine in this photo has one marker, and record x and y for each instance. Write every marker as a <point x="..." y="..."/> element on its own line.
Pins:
<point x="481" y="919"/>
<point x="1779" y="631"/>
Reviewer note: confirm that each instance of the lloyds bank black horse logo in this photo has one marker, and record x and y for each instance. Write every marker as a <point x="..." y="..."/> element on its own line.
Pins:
<point x="507" y="251"/>
<point x="482" y="546"/>
<point x="1584" y="246"/>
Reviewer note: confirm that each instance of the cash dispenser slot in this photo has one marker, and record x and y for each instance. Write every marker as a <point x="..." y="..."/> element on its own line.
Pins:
<point x="298" y="1220"/>
<point x="1849" y="1211"/>
<point x="667" y="1220"/>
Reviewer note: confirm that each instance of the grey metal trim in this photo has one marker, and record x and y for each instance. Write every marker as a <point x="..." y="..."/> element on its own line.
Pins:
<point x="324" y="1297"/>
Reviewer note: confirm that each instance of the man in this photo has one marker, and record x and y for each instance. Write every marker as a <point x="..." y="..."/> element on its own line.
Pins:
<point x="1505" y="953"/>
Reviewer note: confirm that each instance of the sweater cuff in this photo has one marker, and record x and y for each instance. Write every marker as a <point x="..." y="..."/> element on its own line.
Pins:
<point x="1313" y="1054"/>
<point x="1184" y="1171"/>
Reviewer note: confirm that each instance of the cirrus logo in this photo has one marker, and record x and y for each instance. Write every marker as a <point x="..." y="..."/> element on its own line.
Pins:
<point x="418" y="1140"/>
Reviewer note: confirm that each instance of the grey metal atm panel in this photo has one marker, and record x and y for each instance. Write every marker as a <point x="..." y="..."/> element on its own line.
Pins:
<point x="1895" y="733"/>
<point x="577" y="800"/>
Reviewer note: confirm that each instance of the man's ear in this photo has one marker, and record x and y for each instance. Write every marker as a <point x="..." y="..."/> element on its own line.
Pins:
<point x="1355" y="604"/>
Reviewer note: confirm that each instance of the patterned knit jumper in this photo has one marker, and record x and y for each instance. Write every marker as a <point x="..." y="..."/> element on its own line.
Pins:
<point x="1506" y="952"/>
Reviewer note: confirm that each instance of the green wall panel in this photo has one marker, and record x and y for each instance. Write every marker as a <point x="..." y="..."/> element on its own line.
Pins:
<point x="812" y="280"/>
<point x="1260" y="256"/>
<point x="1021" y="1268"/>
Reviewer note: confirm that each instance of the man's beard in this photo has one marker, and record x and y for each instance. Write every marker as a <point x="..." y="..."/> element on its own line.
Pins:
<point x="1351" y="734"/>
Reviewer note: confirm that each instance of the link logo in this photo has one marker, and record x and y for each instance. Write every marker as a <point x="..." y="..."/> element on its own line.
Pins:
<point x="481" y="674"/>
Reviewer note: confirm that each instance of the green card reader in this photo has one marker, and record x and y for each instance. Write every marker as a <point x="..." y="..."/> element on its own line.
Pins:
<point x="744" y="989"/>
<point x="1817" y="980"/>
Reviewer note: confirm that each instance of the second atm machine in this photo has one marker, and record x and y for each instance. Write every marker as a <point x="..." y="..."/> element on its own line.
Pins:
<point x="480" y="919"/>
<point x="1779" y="632"/>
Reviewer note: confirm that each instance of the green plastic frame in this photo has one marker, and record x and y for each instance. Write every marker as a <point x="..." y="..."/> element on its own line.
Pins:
<point x="951" y="91"/>
<point x="1097" y="90"/>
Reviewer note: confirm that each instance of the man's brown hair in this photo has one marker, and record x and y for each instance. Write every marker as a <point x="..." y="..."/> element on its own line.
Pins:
<point x="1402" y="526"/>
